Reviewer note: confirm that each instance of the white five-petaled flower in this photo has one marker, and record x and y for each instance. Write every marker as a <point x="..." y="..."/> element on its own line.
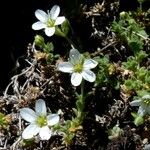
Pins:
<point x="79" y="67"/>
<point x="39" y="121"/>
<point x="144" y="105"/>
<point x="48" y="20"/>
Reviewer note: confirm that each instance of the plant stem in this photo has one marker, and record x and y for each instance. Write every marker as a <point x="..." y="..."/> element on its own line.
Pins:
<point x="82" y="91"/>
<point x="140" y="5"/>
<point x="70" y="42"/>
<point x="60" y="33"/>
<point x="81" y="107"/>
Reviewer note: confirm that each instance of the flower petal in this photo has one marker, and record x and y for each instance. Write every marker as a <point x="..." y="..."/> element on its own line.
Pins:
<point x="146" y="147"/>
<point x="30" y="131"/>
<point x="141" y="111"/>
<point x="28" y="114"/>
<point x="135" y="103"/>
<point x="59" y="20"/>
<point x="88" y="75"/>
<point x="41" y="15"/>
<point x="50" y="31"/>
<point x="38" y="25"/>
<point x="54" y="12"/>
<point x="146" y="108"/>
<point x="40" y="107"/>
<point x="45" y="133"/>
<point x="65" y="67"/>
<point x="146" y="97"/>
<point x="75" y="56"/>
<point x="76" y="79"/>
<point x="52" y="119"/>
<point x="89" y="64"/>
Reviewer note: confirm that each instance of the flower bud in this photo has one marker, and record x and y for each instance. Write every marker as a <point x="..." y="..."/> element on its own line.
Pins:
<point x="123" y="15"/>
<point x="39" y="41"/>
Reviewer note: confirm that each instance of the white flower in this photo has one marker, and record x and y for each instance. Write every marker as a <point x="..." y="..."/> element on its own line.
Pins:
<point x="48" y="20"/>
<point x="147" y="147"/>
<point x="39" y="121"/>
<point x="144" y="105"/>
<point x="79" y="67"/>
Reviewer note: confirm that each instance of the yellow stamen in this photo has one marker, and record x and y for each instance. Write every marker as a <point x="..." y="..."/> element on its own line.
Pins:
<point x="42" y="121"/>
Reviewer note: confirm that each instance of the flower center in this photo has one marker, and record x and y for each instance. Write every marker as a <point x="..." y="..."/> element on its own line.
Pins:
<point x="78" y="68"/>
<point x="50" y="23"/>
<point x="42" y="120"/>
<point x="146" y="101"/>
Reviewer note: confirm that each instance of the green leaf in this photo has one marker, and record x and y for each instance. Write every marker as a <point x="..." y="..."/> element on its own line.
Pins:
<point x="139" y="120"/>
<point x="141" y="73"/>
<point x="143" y="33"/>
<point x="59" y="32"/>
<point x="140" y="56"/>
<point x="49" y="47"/>
<point x="79" y="105"/>
<point x="131" y="64"/>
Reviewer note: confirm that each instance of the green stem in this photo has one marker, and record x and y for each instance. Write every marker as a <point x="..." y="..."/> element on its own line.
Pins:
<point x="81" y="100"/>
<point x="60" y="33"/>
<point x="140" y="5"/>
<point x="70" y="42"/>
<point x="82" y="90"/>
